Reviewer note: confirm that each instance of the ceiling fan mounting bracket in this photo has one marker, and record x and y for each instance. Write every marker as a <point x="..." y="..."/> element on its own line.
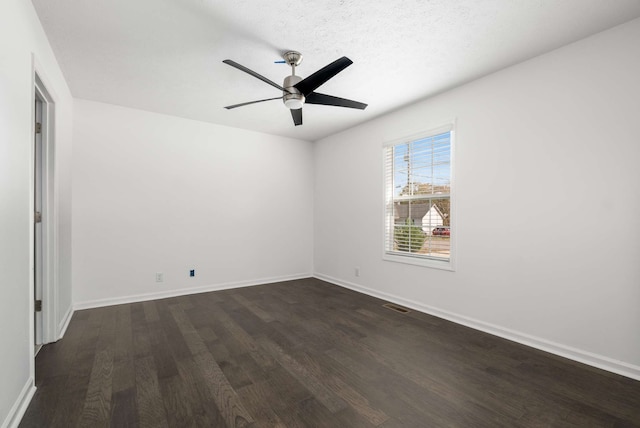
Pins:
<point x="293" y="58"/>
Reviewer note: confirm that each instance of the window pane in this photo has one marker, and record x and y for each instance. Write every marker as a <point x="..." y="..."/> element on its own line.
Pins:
<point x="422" y="167"/>
<point x="421" y="226"/>
<point x="436" y="227"/>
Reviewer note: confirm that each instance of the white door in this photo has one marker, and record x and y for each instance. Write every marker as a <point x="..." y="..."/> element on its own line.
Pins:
<point x="38" y="215"/>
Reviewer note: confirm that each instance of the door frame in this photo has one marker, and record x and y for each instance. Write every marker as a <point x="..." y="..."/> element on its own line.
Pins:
<point x="39" y="170"/>
<point x="41" y="91"/>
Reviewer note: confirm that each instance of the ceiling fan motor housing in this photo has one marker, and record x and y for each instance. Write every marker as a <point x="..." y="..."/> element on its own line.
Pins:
<point x="293" y="99"/>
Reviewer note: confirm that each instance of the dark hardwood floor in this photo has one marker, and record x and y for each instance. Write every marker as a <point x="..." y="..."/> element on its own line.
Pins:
<point x="307" y="353"/>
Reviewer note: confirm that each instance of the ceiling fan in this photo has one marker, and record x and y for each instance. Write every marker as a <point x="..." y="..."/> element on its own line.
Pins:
<point x="297" y="91"/>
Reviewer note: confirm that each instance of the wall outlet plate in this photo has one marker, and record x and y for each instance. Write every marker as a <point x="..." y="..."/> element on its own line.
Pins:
<point x="159" y="277"/>
<point x="192" y="272"/>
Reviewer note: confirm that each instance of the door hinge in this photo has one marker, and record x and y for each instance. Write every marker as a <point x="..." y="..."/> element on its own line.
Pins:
<point x="38" y="306"/>
<point x="38" y="217"/>
<point x="38" y="128"/>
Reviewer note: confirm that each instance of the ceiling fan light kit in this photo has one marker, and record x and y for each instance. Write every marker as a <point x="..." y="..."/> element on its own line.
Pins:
<point x="292" y="97"/>
<point x="297" y="91"/>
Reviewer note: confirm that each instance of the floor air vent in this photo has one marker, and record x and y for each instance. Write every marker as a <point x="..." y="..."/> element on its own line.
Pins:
<point x="396" y="308"/>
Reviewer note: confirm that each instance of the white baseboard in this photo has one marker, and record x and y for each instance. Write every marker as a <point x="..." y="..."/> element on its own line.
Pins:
<point x="184" y="291"/>
<point x="62" y="327"/>
<point x="20" y="406"/>
<point x="579" y="355"/>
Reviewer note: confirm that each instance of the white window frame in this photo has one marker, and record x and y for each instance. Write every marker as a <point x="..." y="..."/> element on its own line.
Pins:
<point x="411" y="258"/>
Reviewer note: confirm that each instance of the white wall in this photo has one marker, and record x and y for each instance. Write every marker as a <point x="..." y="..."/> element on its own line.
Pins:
<point x="543" y="149"/>
<point x="155" y="193"/>
<point x="21" y="36"/>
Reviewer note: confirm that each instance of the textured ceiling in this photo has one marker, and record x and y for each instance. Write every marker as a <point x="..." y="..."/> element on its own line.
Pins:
<point x="166" y="55"/>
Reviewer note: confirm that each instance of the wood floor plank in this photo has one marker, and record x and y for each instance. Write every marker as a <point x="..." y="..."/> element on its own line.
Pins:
<point x="162" y="353"/>
<point x="397" y="357"/>
<point x="123" y="409"/>
<point x="70" y="406"/>
<point x="194" y="342"/>
<point x="357" y="401"/>
<point x="97" y="404"/>
<point x="253" y="396"/>
<point x="123" y="368"/>
<point x="455" y="381"/>
<point x="380" y="384"/>
<point x="171" y="332"/>
<point x="198" y="393"/>
<point x="44" y="403"/>
<point x="234" y="372"/>
<point x="150" y="311"/>
<point x="151" y="411"/>
<point x="52" y="373"/>
<point x="223" y="393"/>
<point x="179" y="405"/>
<point x="306" y="377"/>
<point x="140" y="332"/>
<point x="207" y="334"/>
<point x="236" y="335"/>
<point x="253" y="307"/>
<point x="439" y="395"/>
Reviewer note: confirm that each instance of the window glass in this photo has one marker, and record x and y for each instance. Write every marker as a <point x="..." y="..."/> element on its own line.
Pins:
<point x="418" y="197"/>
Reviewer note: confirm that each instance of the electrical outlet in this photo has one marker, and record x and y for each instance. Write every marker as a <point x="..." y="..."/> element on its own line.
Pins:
<point x="192" y="272"/>
<point x="159" y="277"/>
<point x="357" y="271"/>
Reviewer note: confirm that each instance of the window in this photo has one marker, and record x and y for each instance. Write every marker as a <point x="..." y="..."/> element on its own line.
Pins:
<point x="418" y="209"/>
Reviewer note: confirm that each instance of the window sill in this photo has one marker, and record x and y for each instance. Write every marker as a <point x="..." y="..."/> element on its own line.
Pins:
<point x="419" y="261"/>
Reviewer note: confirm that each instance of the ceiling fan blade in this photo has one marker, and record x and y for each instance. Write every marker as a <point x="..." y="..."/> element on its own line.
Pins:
<point x="311" y="83"/>
<point x="252" y="102"/>
<point x="330" y="100"/>
<point x="297" y="116"/>
<point x="254" y="74"/>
